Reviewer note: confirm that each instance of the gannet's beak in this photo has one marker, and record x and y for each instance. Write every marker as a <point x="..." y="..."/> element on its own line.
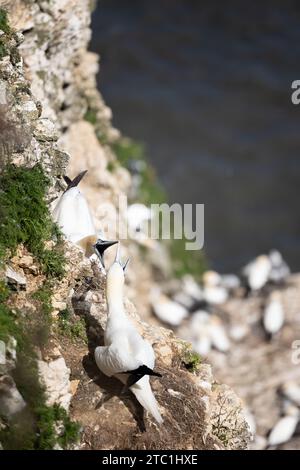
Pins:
<point x="101" y="246"/>
<point x="118" y="257"/>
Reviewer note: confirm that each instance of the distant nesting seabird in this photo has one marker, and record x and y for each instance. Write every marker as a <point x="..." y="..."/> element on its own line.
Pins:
<point x="167" y="310"/>
<point x="273" y="318"/>
<point x="279" y="268"/>
<point x="213" y="291"/>
<point x="257" y="272"/>
<point x="283" y="430"/>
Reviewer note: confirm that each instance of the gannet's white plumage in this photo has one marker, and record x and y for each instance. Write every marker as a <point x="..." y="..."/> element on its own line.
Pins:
<point x="72" y="213"/>
<point x="73" y="216"/>
<point x="283" y="430"/>
<point x="125" y="350"/>
<point x="291" y="390"/>
<point x="279" y="268"/>
<point x="167" y="310"/>
<point x="214" y="292"/>
<point x="257" y="272"/>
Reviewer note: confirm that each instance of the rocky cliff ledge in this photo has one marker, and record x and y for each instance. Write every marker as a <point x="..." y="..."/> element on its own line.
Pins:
<point x="54" y="121"/>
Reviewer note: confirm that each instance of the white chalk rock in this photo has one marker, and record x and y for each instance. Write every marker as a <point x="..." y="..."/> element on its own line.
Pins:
<point x="11" y="401"/>
<point x="15" y="278"/>
<point x="274" y="314"/>
<point x="283" y="430"/>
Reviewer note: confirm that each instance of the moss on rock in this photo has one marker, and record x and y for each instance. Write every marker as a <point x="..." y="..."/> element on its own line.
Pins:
<point x="25" y="218"/>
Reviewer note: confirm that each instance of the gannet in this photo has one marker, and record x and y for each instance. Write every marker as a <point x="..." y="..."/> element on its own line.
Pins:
<point x="273" y="318"/>
<point x="283" y="429"/>
<point x="73" y="216"/>
<point x="191" y="288"/>
<point x="213" y="291"/>
<point x="257" y="272"/>
<point x="207" y="331"/>
<point x="126" y="355"/>
<point x="167" y="310"/>
<point x="218" y="335"/>
<point x="291" y="390"/>
<point x="200" y="332"/>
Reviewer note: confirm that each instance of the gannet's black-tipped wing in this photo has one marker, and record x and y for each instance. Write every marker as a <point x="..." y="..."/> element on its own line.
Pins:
<point x="137" y="374"/>
<point x="67" y="180"/>
<point x="75" y="182"/>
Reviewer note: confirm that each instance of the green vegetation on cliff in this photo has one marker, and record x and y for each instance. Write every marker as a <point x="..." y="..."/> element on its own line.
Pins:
<point x="25" y="219"/>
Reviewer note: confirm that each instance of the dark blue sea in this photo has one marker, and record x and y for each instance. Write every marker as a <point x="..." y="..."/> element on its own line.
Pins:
<point x="206" y="85"/>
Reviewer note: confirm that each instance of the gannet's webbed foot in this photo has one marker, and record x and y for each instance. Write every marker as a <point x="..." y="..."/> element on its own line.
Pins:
<point x="137" y="374"/>
<point x="75" y="182"/>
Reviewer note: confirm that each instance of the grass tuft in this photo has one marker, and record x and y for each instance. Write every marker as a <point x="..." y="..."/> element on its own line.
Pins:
<point x="4" y="25"/>
<point x="71" y="326"/>
<point x="191" y="360"/>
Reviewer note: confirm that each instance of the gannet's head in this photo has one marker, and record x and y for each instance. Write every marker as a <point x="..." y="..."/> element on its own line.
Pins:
<point x="116" y="273"/>
<point x="100" y="247"/>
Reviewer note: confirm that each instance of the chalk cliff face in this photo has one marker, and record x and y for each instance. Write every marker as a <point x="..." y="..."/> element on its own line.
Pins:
<point x="47" y="89"/>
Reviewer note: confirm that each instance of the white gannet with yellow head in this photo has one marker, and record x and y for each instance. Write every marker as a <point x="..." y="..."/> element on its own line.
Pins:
<point x="73" y="216"/>
<point x="126" y="355"/>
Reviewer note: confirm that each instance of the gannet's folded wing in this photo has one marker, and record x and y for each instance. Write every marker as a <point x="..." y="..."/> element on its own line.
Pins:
<point x="111" y="360"/>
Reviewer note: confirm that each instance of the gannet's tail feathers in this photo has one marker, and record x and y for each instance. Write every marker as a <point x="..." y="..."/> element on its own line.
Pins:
<point x="137" y="374"/>
<point x="75" y="182"/>
<point x="144" y="395"/>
